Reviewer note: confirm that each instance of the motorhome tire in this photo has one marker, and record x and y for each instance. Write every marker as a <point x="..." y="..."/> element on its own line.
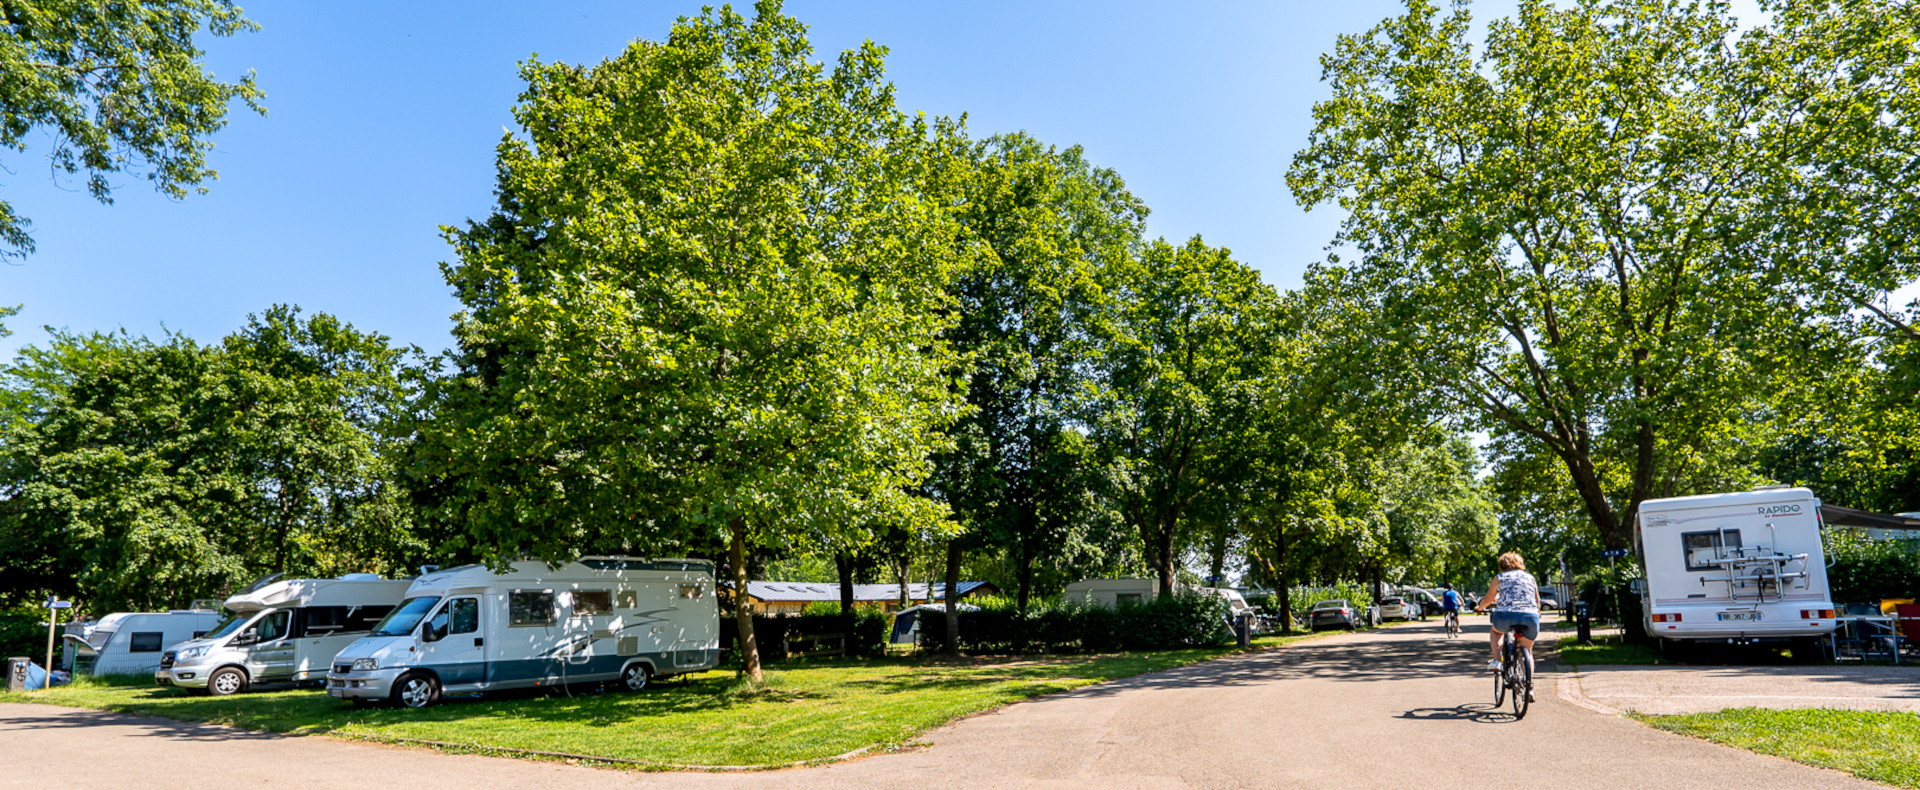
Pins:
<point x="417" y="690"/>
<point x="635" y="677"/>
<point x="226" y="681"/>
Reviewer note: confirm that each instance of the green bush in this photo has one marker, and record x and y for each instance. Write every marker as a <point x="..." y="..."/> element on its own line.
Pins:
<point x="771" y="633"/>
<point x="1866" y="571"/>
<point x="23" y="633"/>
<point x="1179" y="621"/>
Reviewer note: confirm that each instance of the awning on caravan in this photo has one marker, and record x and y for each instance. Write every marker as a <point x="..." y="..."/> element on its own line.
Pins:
<point x="1837" y="516"/>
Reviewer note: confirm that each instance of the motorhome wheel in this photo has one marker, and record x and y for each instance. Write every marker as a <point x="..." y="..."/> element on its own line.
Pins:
<point x="416" y="691"/>
<point x="636" y="677"/>
<point x="226" y="681"/>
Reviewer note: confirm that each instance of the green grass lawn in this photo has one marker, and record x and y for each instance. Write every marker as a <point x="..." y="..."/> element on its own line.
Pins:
<point x="1880" y="746"/>
<point x="1607" y="650"/>
<point x="806" y="711"/>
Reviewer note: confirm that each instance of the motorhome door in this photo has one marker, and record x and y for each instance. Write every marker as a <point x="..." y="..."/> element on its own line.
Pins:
<point x="271" y="655"/>
<point x="452" y="645"/>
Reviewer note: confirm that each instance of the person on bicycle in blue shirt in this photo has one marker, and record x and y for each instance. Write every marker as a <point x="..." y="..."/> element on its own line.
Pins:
<point x="1450" y="603"/>
<point x="1514" y="598"/>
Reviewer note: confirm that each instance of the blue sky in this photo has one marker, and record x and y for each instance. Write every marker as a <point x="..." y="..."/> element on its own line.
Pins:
<point x="383" y="119"/>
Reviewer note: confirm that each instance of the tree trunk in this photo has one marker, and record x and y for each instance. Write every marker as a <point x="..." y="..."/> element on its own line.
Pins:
<point x="1282" y="581"/>
<point x="1163" y="554"/>
<point x="952" y="641"/>
<point x="844" y="563"/>
<point x="1217" y="551"/>
<point x="742" y="613"/>
<point x="1586" y="483"/>
<point x="903" y="570"/>
<point x="1025" y="577"/>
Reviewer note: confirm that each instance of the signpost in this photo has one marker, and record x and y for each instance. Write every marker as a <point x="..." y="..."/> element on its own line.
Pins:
<point x="54" y="605"/>
<point x="1612" y="553"/>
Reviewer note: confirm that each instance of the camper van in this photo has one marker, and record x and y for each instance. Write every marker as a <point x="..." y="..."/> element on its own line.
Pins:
<point x="601" y="619"/>
<point x="130" y="643"/>
<point x="280" y="630"/>
<point x="1739" y="568"/>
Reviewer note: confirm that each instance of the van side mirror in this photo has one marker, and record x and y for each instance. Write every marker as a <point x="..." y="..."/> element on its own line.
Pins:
<point x="246" y="637"/>
<point x="1637" y="586"/>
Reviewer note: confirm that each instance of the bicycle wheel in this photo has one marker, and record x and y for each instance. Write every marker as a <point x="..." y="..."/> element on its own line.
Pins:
<point x="1523" y="683"/>
<point x="1499" y="687"/>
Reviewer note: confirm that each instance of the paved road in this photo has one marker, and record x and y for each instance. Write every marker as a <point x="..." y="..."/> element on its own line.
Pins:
<point x="1664" y="689"/>
<point x="1401" y="708"/>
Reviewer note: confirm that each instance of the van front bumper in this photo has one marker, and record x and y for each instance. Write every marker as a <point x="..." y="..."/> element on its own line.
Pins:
<point x="368" y="684"/>
<point x="185" y="677"/>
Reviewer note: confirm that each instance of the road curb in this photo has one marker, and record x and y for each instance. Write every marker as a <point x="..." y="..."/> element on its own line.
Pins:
<point x="1566" y="686"/>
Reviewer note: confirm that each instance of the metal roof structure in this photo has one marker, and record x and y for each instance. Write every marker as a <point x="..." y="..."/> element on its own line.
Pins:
<point x="1837" y="516"/>
<point x="815" y="591"/>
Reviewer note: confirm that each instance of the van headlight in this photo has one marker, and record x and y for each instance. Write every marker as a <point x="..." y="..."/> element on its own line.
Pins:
<point x="192" y="653"/>
<point x="363" y="664"/>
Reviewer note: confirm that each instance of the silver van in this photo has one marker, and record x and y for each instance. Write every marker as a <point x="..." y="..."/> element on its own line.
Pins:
<point x="280" y="630"/>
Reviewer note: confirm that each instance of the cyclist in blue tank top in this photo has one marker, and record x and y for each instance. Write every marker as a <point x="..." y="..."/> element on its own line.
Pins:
<point x="1514" y="598"/>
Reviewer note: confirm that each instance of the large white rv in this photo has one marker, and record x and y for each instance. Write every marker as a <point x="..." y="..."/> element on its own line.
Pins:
<point x="280" y="630"/>
<point x="600" y="619"/>
<point x="1113" y="592"/>
<point x="1739" y="568"/>
<point x="131" y="643"/>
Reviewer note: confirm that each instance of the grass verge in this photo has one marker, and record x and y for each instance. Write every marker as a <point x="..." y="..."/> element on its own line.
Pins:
<point x="805" y="712"/>
<point x="1875" y="745"/>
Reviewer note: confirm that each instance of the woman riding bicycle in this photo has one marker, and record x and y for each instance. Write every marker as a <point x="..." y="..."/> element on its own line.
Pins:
<point x="1515" y="600"/>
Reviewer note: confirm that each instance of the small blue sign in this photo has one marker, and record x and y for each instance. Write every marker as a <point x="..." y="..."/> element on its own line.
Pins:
<point x="1216" y="578"/>
<point x="1611" y="553"/>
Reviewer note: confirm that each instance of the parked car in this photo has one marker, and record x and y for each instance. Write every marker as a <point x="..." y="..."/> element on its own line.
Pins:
<point x="1549" y="600"/>
<point x="1397" y="608"/>
<point x="1336" y="613"/>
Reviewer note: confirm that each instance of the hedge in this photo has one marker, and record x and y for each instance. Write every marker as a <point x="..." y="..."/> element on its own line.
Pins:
<point x="1179" y="621"/>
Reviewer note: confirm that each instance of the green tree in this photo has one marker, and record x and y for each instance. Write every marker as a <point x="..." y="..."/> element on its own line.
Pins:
<point x="1045" y="224"/>
<point x="1556" y="237"/>
<point x="1185" y="351"/>
<point x="710" y="304"/>
<point x="119" y="87"/>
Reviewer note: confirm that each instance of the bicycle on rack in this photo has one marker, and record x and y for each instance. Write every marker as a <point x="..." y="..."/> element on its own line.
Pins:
<point x="1514" y="679"/>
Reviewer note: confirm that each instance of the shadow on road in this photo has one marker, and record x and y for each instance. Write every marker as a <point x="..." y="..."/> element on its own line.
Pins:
<point x="1477" y="712"/>
<point x="151" y="726"/>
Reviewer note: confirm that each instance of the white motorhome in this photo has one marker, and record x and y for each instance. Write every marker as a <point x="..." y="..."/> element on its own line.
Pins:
<point x="601" y="619"/>
<point x="131" y="643"/>
<point x="280" y="630"/>
<point x="1740" y="568"/>
<point x="1113" y="592"/>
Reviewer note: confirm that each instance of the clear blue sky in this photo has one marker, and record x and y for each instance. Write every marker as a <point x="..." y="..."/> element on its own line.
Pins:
<point x="383" y="119"/>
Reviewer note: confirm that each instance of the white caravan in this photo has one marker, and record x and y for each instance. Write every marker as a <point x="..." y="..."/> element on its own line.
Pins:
<point x="469" y="629"/>
<point x="280" y="630"/>
<point x="1113" y="592"/>
<point x="1742" y="568"/>
<point x="131" y="643"/>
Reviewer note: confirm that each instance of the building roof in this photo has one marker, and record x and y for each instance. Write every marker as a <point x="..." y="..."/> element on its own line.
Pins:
<point x="1838" y="516"/>
<point x="814" y="591"/>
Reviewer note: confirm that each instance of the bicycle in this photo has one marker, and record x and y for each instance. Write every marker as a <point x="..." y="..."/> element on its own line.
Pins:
<point x="1515" y="677"/>
<point x="1453" y="624"/>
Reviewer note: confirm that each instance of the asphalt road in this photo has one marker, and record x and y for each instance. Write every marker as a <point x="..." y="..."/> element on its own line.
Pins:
<point x="1402" y="708"/>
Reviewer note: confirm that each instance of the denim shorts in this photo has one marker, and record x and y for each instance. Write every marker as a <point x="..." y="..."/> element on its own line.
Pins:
<point x="1525" y="624"/>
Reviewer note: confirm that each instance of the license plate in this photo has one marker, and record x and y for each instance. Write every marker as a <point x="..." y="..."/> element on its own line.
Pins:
<point x="1739" y="616"/>
<point x="336" y="692"/>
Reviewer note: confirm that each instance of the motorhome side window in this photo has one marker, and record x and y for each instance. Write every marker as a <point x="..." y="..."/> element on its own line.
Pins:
<point x="690" y="591"/>
<point x="629" y="599"/>
<point x="530" y="607"/>
<point x="1121" y="598"/>
<point x="145" y="642"/>
<point x="1704" y="548"/>
<point x="591" y="602"/>
<point x="466" y="615"/>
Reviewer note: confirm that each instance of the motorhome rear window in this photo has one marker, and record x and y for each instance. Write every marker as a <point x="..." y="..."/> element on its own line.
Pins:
<point x="1703" y="549"/>
<point x="592" y="602"/>
<point x="530" y="607"/>
<point x="144" y="642"/>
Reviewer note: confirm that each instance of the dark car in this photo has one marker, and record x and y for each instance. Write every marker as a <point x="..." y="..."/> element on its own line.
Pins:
<point x="1333" y="614"/>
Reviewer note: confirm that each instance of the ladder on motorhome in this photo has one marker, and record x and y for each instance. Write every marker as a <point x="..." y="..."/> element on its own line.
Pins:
<point x="1759" y="571"/>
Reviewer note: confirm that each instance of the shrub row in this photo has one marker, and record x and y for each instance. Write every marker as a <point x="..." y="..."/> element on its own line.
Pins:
<point x="1180" y="621"/>
<point x="777" y="635"/>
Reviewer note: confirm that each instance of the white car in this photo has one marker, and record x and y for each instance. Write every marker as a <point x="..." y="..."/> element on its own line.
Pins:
<point x="1397" y="608"/>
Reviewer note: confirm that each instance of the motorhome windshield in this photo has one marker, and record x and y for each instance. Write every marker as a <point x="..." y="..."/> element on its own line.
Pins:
<point x="400" y="621"/>
<point x="227" y="625"/>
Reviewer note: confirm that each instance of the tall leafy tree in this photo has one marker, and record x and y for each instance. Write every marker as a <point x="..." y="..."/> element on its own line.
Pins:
<point x="119" y="86"/>
<point x="1556" y="236"/>
<point x="711" y="304"/>
<point x="1186" y="345"/>
<point x="1045" y="224"/>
